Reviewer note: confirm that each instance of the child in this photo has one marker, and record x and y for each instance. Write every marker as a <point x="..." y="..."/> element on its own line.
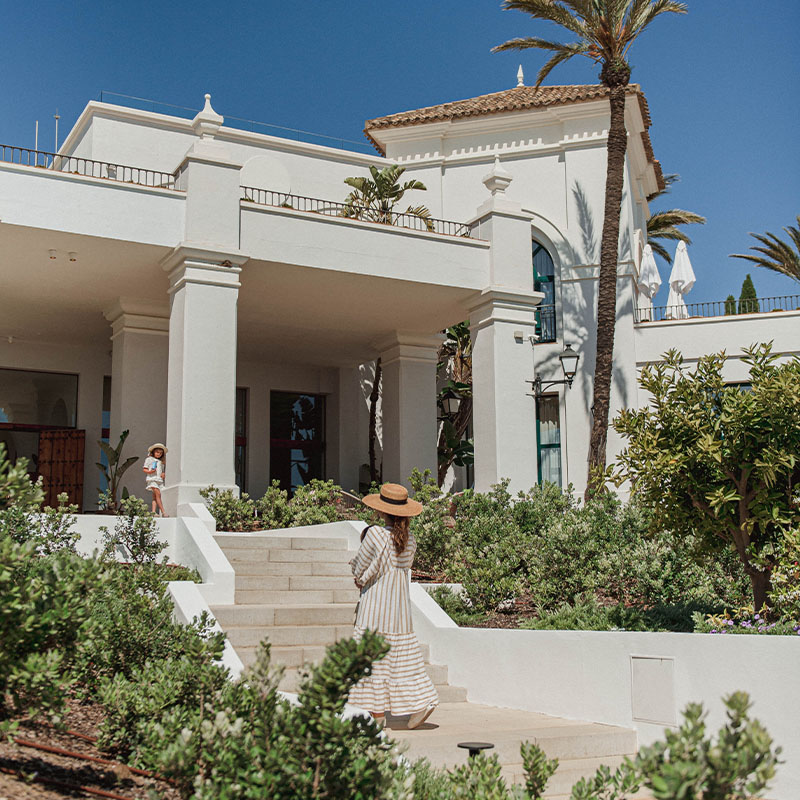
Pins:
<point x="154" y="469"/>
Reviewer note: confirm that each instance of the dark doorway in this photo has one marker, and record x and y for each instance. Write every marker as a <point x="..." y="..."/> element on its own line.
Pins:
<point x="297" y="438"/>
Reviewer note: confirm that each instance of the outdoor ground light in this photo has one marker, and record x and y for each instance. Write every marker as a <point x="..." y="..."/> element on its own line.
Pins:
<point x="450" y="402"/>
<point x="569" y="365"/>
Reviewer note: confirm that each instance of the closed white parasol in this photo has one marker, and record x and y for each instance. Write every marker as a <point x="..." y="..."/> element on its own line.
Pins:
<point x="681" y="280"/>
<point x="648" y="283"/>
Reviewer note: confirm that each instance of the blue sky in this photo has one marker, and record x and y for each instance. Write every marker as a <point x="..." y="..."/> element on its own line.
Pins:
<point x="722" y="83"/>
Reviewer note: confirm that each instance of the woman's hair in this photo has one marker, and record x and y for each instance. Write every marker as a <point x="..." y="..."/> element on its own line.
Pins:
<point x="399" y="529"/>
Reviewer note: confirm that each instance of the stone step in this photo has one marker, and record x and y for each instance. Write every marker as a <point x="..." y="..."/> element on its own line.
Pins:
<point x="302" y="583"/>
<point x="451" y="694"/>
<point x="437" y="673"/>
<point x="255" y="541"/>
<point x="268" y="615"/>
<point x="251" y="555"/>
<point x="286" y="656"/>
<point x="260" y="567"/>
<point x="286" y="635"/>
<point x="290" y="597"/>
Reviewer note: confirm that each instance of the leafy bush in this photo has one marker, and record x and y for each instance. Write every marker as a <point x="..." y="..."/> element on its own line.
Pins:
<point x="16" y="487"/>
<point x="784" y="598"/>
<point x="314" y="503"/>
<point x="49" y="529"/>
<point x="738" y="765"/>
<point x="541" y="544"/>
<point x="43" y="622"/>
<point x="135" y="531"/>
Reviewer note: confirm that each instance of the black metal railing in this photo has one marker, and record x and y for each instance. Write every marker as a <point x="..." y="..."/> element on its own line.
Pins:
<point x="87" y="167"/>
<point x="545" y="324"/>
<point x="314" y="205"/>
<point x="720" y="308"/>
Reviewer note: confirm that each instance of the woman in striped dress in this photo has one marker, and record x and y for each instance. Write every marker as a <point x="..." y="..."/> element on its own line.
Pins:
<point x="399" y="683"/>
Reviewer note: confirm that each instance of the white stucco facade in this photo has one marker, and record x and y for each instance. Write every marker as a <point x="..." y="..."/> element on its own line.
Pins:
<point x="207" y="307"/>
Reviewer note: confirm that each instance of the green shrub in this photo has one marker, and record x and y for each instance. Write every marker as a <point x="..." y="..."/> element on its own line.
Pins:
<point x="135" y="531"/>
<point x="316" y="502"/>
<point x="272" y="509"/>
<point x="231" y="513"/>
<point x="745" y="621"/>
<point x="49" y="529"/>
<point x="16" y="487"/>
<point x="245" y="742"/>
<point x="43" y="622"/>
<point x="737" y="766"/>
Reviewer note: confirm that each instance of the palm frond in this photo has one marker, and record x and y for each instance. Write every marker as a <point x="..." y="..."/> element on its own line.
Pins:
<point x="776" y="254"/>
<point x="673" y="216"/>
<point x="646" y="12"/>
<point x="551" y="12"/>
<point x="660" y="250"/>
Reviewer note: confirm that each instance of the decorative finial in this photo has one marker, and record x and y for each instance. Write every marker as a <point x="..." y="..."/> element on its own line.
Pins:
<point x="207" y="122"/>
<point x="498" y="179"/>
<point x="520" y="77"/>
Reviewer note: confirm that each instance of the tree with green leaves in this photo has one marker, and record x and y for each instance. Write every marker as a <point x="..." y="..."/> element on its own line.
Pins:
<point x="748" y="299"/>
<point x="667" y="224"/>
<point x="775" y="253"/>
<point x="455" y="363"/>
<point x="730" y="305"/>
<point x="374" y="198"/>
<point x="717" y="462"/>
<point x="604" y="32"/>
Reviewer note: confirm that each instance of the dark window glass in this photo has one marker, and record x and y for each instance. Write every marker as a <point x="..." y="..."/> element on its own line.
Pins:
<point x="105" y="427"/>
<point x="548" y="439"/>
<point x="297" y="438"/>
<point x="544" y="281"/>
<point x="240" y="439"/>
<point x="38" y="399"/>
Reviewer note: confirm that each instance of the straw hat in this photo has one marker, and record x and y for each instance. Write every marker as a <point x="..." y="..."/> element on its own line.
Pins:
<point x="157" y="446"/>
<point x="393" y="499"/>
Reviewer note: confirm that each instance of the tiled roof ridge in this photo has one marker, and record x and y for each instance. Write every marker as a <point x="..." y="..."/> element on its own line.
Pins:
<point x="519" y="98"/>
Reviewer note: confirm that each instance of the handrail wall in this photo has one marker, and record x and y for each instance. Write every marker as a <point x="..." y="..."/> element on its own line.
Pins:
<point x="86" y="167"/>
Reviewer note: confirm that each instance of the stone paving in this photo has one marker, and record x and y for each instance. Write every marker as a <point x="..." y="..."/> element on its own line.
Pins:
<point x="581" y="747"/>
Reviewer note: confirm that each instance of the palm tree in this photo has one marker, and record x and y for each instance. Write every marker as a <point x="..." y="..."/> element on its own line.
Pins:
<point x="664" y="224"/>
<point x="605" y="31"/>
<point x="374" y="199"/>
<point x="776" y="254"/>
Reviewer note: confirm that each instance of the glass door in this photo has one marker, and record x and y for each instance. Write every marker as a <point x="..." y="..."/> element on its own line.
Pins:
<point x="297" y="438"/>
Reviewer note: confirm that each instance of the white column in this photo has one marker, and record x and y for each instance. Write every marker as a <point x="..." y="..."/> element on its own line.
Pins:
<point x="409" y="404"/>
<point x="503" y="412"/>
<point x="201" y="396"/>
<point x="140" y="347"/>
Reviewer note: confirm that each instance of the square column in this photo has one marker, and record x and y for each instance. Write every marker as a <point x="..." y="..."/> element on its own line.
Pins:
<point x="409" y="404"/>
<point x="503" y="412"/>
<point x="201" y="396"/>
<point x="139" y="355"/>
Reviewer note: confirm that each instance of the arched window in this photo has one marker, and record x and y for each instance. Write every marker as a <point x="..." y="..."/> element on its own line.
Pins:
<point x="544" y="281"/>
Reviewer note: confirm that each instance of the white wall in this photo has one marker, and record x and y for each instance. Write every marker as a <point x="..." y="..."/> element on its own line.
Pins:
<point x="588" y="675"/>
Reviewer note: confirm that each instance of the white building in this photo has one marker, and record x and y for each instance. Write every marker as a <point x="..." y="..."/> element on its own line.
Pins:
<point x="188" y="280"/>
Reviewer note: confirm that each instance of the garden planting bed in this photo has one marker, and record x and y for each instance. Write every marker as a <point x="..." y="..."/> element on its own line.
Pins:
<point x="44" y="762"/>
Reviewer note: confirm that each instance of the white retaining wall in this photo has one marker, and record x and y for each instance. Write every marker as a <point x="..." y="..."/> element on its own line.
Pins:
<point x="639" y="680"/>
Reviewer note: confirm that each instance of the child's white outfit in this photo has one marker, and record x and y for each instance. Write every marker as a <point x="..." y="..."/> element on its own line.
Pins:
<point x="154" y="480"/>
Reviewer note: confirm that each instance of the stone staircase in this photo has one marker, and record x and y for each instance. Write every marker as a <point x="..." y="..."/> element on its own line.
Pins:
<point x="297" y="592"/>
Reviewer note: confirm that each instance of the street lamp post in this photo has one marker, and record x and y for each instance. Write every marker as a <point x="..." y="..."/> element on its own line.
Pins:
<point x="569" y="365"/>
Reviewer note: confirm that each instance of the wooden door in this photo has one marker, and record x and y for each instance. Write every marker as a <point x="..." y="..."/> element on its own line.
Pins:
<point x="61" y="465"/>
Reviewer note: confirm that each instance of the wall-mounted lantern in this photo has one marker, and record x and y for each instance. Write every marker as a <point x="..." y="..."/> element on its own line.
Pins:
<point x="569" y="365"/>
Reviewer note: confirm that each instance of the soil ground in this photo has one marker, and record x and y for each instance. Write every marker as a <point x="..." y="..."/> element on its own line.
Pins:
<point x="29" y="773"/>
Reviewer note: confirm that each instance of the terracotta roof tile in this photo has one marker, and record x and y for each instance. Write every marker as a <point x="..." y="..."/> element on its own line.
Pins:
<point x="519" y="99"/>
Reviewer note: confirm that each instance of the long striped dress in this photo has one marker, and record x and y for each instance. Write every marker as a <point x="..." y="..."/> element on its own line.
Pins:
<point x="399" y="683"/>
